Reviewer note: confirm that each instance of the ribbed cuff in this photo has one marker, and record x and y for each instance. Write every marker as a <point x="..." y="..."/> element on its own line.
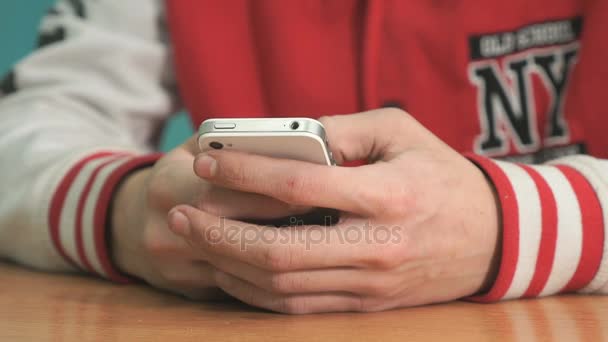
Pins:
<point x="552" y="226"/>
<point x="79" y="210"/>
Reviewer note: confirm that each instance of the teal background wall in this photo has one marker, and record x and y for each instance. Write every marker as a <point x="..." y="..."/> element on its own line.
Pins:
<point x="19" y="21"/>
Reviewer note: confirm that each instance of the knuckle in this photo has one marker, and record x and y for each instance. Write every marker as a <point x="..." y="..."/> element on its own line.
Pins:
<point x="173" y="278"/>
<point x="156" y="243"/>
<point x="371" y="201"/>
<point x="292" y="305"/>
<point x="207" y="239"/>
<point x="376" y="287"/>
<point x="324" y="119"/>
<point x="295" y="187"/>
<point x="158" y="191"/>
<point x="222" y="280"/>
<point x="387" y="200"/>
<point x="393" y="257"/>
<point x="327" y="121"/>
<point x="398" y="118"/>
<point x="232" y="172"/>
<point x="283" y="284"/>
<point x="277" y="259"/>
<point x="204" y="232"/>
<point x="396" y="114"/>
<point x="399" y="201"/>
<point x="371" y="305"/>
<point x="390" y="256"/>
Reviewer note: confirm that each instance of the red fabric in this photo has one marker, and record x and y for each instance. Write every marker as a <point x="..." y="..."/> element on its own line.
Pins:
<point x="273" y="58"/>
<point x="593" y="230"/>
<point x="80" y="210"/>
<point x="247" y="58"/>
<point x="548" y="242"/>
<point x="58" y="201"/>
<point x="510" y="229"/>
<point x="75" y="231"/>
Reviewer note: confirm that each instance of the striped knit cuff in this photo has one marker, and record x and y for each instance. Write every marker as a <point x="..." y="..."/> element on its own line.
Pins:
<point x="79" y="207"/>
<point x="553" y="230"/>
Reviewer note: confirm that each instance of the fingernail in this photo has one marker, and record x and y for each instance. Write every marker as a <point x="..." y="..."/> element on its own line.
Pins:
<point x="178" y="222"/>
<point x="205" y="165"/>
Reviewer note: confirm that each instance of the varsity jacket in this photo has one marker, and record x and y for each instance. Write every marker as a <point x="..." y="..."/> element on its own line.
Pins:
<point x="517" y="86"/>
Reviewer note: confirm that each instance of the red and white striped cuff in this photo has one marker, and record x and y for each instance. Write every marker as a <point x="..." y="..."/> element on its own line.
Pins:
<point x="78" y="210"/>
<point x="553" y="230"/>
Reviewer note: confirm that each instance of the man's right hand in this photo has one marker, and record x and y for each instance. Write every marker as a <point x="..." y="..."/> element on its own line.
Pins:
<point x="142" y="244"/>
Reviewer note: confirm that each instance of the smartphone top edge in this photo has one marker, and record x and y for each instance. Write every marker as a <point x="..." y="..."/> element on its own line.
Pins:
<point x="263" y="119"/>
<point x="262" y="125"/>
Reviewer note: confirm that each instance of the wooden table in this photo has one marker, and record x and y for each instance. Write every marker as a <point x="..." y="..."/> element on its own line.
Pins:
<point x="43" y="307"/>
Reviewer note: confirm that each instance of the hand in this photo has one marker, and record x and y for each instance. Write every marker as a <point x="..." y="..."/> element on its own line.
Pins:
<point x="142" y="244"/>
<point x="431" y="213"/>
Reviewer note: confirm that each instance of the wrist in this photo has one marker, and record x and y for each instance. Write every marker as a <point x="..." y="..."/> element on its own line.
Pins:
<point x="127" y="218"/>
<point x="492" y="226"/>
<point x="495" y="226"/>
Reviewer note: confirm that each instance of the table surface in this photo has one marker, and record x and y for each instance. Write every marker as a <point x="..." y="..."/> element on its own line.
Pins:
<point x="46" y="307"/>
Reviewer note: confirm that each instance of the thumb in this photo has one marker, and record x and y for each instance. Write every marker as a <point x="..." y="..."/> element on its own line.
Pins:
<point x="191" y="145"/>
<point x="373" y="135"/>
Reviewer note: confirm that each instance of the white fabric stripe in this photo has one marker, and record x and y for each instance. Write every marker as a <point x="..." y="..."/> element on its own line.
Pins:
<point x="569" y="231"/>
<point x="88" y="223"/>
<point x="596" y="172"/>
<point x="530" y="227"/>
<point x="67" y="220"/>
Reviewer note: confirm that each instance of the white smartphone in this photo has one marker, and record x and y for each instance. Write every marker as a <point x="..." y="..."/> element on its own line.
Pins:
<point x="301" y="139"/>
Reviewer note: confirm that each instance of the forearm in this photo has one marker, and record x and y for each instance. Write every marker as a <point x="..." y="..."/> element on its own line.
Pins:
<point x="127" y="217"/>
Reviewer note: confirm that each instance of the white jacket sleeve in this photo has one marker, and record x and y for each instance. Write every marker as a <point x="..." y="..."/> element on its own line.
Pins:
<point x="76" y="116"/>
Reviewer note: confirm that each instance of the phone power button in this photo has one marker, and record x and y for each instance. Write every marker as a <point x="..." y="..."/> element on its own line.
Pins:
<point x="224" y="126"/>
